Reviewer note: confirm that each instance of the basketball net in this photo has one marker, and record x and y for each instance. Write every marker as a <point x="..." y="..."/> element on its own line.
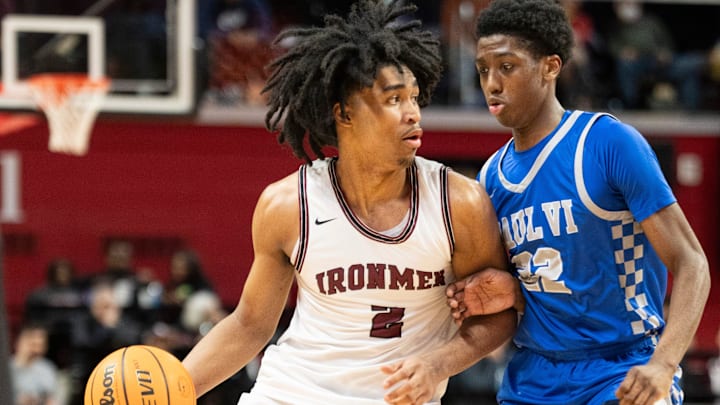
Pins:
<point x="71" y="103"/>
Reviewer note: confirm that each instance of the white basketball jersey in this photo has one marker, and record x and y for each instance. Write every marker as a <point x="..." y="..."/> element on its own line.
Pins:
<point x="365" y="299"/>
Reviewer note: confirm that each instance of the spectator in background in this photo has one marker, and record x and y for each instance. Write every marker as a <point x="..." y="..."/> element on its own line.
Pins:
<point x="186" y="278"/>
<point x="239" y="48"/>
<point x="61" y="290"/>
<point x="200" y="312"/>
<point x="120" y="273"/>
<point x="34" y="376"/>
<point x="458" y="39"/>
<point x="136" y="290"/>
<point x="104" y="329"/>
<point x="646" y="61"/>
<point x="187" y="281"/>
<point x="55" y="304"/>
<point x="576" y="86"/>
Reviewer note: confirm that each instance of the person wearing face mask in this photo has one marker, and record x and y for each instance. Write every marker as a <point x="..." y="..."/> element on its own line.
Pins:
<point x="644" y="51"/>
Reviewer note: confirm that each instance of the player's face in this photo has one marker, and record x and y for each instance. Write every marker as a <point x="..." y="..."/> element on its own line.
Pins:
<point x="386" y="117"/>
<point x="515" y="83"/>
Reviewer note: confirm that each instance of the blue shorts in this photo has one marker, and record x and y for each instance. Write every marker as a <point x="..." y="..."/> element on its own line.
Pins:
<point x="531" y="378"/>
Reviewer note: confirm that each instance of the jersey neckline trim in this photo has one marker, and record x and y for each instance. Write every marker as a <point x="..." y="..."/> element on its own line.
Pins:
<point x="540" y="160"/>
<point x="364" y="229"/>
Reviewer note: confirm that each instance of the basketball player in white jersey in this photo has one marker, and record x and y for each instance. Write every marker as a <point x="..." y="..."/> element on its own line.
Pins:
<point x="592" y="228"/>
<point x="372" y="236"/>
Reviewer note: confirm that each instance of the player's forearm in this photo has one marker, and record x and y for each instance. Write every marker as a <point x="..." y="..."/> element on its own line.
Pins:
<point x="478" y="337"/>
<point x="225" y="350"/>
<point x="690" y="291"/>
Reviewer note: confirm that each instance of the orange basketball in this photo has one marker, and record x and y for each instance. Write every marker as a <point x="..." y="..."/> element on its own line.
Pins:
<point x="140" y="375"/>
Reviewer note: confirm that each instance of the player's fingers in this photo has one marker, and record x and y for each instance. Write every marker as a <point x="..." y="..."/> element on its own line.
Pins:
<point x="643" y="397"/>
<point x="455" y="287"/>
<point x="390" y="368"/>
<point x="408" y="393"/>
<point x="398" y="394"/>
<point x="624" y="388"/>
<point x="395" y="376"/>
<point x="402" y="401"/>
<point x="458" y="312"/>
<point x="421" y="397"/>
<point x="456" y="300"/>
<point x="651" y="395"/>
<point x="630" y="389"/>
<point x="451" y="290"/>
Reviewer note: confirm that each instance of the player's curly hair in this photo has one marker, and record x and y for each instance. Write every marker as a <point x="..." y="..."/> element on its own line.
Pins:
<point x="326" y="65"/>
<point x="541" y="24"/>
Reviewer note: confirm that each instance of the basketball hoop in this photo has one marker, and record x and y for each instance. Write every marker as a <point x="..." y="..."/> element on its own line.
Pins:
<point x="71" y="103"/>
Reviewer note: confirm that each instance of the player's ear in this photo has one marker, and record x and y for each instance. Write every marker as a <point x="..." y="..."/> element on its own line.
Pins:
<point x="341" y="117"/>
<point x="551" y="67"/>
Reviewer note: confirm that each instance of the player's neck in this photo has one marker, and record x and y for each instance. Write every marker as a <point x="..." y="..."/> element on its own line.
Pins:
<point x="543" y="125"/>
<point x="367" y="191"/>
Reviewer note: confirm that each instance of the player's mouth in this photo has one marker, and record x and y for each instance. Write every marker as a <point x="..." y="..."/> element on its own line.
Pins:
<point x="413" y="137"/>
<point x="495" y="107"/>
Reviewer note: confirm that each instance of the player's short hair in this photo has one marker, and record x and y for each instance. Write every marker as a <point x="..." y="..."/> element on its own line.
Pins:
<point x="324" y="66"/>
<point x="541" y="24"/>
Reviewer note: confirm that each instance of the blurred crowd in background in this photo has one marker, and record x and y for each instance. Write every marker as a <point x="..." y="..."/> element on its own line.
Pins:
<point x="629" y="55"/>
<point x="72" y="321"/>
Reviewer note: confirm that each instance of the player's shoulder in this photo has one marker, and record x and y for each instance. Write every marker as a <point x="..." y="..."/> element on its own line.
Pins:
<point x="275" y="217"/>
<point x="462" y="190"/>
<point x="465" y="191"/>
<point x="608" y="126"/>
<point x="281" y="194"/>
<point x="608" y="131"/>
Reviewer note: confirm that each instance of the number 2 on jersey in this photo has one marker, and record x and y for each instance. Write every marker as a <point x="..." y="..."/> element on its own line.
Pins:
<point x="541" y="271"/>
<point x="388" y="323"/>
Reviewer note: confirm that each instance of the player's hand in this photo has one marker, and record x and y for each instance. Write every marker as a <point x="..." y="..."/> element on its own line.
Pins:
<point x="483" y="293"/>
<point x="646" y="384"/>
<point x="411" y="382"/>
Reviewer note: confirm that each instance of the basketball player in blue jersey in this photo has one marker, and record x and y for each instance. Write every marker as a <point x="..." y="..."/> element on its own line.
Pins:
<point x="591" y="226"/>
<point x="371" y="236"/>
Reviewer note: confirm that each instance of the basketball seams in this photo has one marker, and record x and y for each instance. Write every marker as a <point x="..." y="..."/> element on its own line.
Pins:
<point x="164" y="376"/>
<point x="122" y="374"/>
<point x="133" y="368"/>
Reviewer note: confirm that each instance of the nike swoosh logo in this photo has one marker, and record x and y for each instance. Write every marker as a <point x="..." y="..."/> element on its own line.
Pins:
<point x="319" y="222"/>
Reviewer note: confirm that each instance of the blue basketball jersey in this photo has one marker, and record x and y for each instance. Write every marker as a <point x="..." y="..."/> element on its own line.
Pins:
<point x="569" y="211"/>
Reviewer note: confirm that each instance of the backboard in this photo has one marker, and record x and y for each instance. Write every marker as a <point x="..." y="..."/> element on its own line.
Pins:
<point x="144" y="47"/>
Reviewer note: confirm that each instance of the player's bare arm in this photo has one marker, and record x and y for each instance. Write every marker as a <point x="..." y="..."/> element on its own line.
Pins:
<point x="477" y="247"/>
<point x="672" y="238"/>
<point x="245" y="331"/>
<point x="489" y="291"/>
